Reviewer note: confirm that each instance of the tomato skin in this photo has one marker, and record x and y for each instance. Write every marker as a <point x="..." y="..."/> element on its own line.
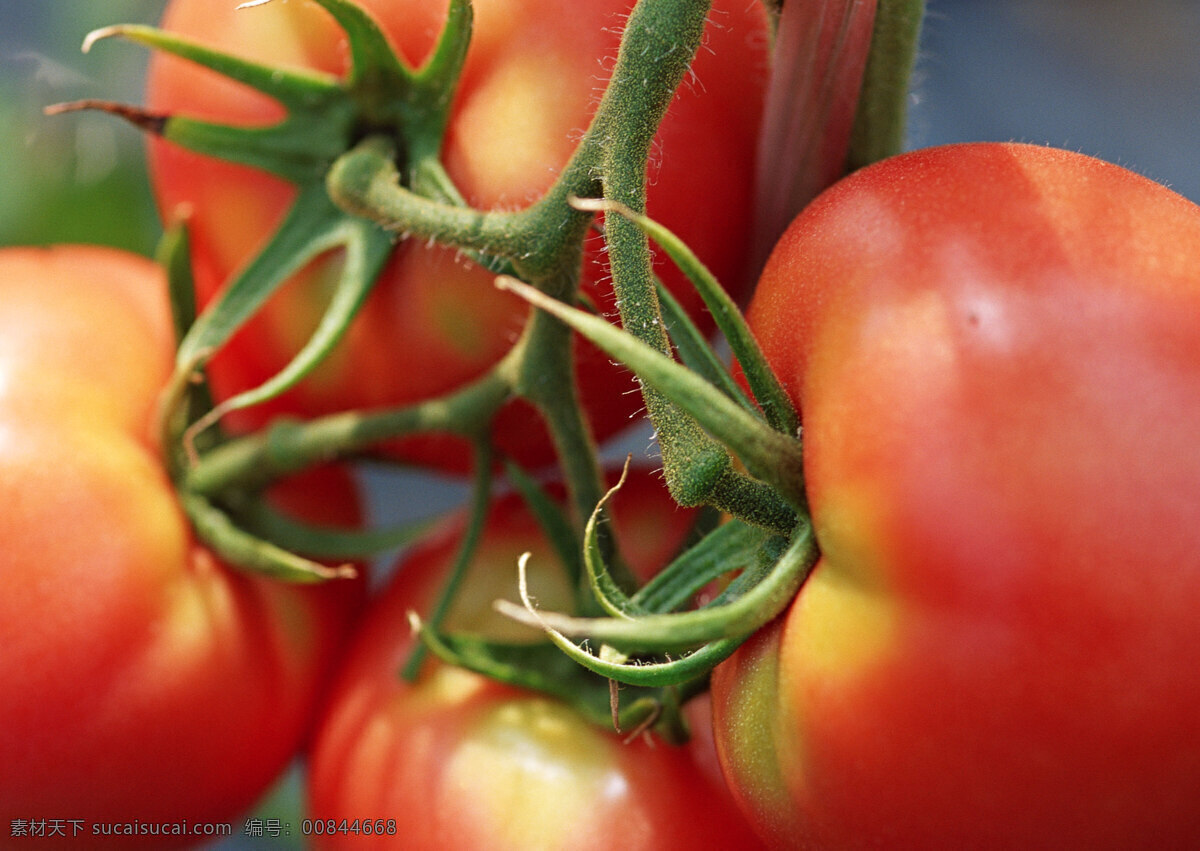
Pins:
<point x="996" y="350"/>
<point x="532" y="78"/>
<point x="462" y="762"/>
<point x="143" y="680"/>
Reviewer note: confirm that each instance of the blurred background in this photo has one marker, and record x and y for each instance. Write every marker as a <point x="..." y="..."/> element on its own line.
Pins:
<point x="1115" y="79"/>
<point x="74" y="178"/>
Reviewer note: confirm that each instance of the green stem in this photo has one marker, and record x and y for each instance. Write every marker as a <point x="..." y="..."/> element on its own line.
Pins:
<point x="247" y="552"/>
<point x="437" y="79"/>
<point x="773" y="457"/>
<point x="255" y="460"/>
<point x="546" y="378"/>
<point x="879" y="124"/>
<point x="480" y="502"/>
<point x="689" y="668"/>
<point x="365" y="182"/>
<point x="661" y="38"/>
<point x="321" y="542"/>
<point x="557" y="400"/>
<point x="767" y="389"/>
<point x="539" y="242"/>
<point x="720" y="552"/>
<point x="757" y="502"/>
<point x="174" y="255"/>
<point x="553" y="519"/>
<point x="659" y="633"/>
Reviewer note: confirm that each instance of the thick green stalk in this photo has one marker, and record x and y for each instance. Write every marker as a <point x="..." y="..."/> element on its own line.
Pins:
<point x="546" y="378"/>
<point x="661" y="38"/>
<point x="879" y="124"/>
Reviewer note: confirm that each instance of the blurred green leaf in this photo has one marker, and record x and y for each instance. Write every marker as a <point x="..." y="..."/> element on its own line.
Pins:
<point x="75" y="178"/>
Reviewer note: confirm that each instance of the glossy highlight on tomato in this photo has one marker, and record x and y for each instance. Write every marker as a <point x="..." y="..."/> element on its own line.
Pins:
<point x="143" y="680"/>
<point x="463" y="762"/>
<point x="533" y="76"/>
<point x="996" y="352"/>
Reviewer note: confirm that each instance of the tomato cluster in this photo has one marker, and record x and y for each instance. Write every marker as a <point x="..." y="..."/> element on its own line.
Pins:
<point x="955" y="468"/>
<point x="149" y="680"/>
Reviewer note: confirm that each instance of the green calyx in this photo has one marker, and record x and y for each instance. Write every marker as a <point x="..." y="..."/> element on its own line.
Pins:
<point x="325" y="117"/>
<point x="237" y="522"/>
<point x="221" y="481"/>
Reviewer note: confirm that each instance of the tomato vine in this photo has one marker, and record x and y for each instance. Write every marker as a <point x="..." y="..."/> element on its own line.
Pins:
<point x="364" y="154"/>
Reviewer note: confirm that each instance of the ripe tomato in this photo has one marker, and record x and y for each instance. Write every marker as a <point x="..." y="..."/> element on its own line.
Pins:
<point x="459" y="761"/>
<point x="144" y="682"/>
<point x="531" y="82"/>
<point x="996" y="350"/>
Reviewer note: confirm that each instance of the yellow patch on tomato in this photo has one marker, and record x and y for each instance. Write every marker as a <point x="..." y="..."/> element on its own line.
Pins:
<point x="510" y="138"/>
<point x="465" y="311"/>
<point x="757" y="746"/>
<point x="840" y="625"/>
<point x="446" y="686"/>
<point x="542" y="767"/>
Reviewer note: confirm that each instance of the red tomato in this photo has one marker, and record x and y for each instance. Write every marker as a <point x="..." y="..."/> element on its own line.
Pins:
<point x="531" y="82"/>
<point x="144" y="682"/>
<point x="996" y="349"/>
<point x="457" y="761"/>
